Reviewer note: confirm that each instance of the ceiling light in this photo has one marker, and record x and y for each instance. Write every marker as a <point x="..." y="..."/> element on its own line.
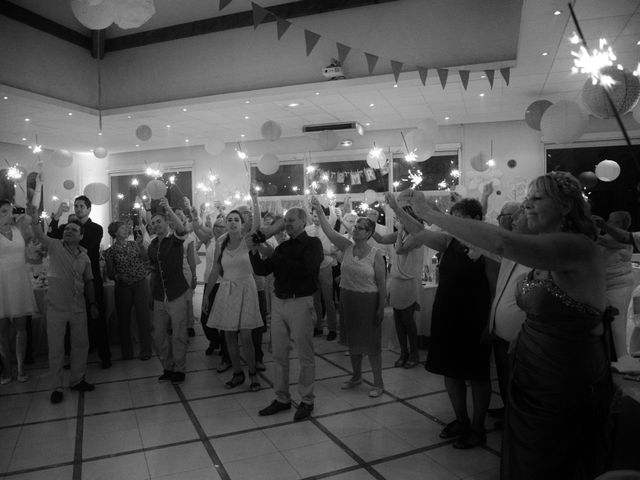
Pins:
<point x="7" y="98"/>
<point x="242" y="135"/>
<point x="482" y="94"/>
<point x="483" y="76"/>
<point x="247" y="101"/>
<point x="557" y="12"/>
<point x="575" y="39"/>
<point x="346" y="143"/>
<point x="317" y="93"/>
<point x="293" y="105"/>
<point x="186" y="140"/>
<point x="128" y="116"/>
<point x="168" y="126"/>
<point x="395" y="85"/>
<point x="70" y="114"/>
<point x="372" y="104"/>
<point x="137" y="145"/>
<point x="184" y="109"/>
<point x="99" y="134"/>
<point x="246" y="117"/>
<point x="544" y="54"/>
<point x="446" y="118"/>
<point x="27" y="119"/>
<point x="367" y="124"/>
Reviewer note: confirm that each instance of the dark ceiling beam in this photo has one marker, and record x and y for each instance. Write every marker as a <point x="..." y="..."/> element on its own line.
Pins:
<point x="34" y="20"/>
<point x="300" y="8"/>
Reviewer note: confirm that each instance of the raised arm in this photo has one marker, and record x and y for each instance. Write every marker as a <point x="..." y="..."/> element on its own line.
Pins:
<point x="36" y="228"/>
<point x="405" y="243"/>
<point x="334" y="237"/>
<point x="255" y="211"/>
<point x="622" y="236"/>
<point x="179" y="230"/>
<point x="388" y="239"/>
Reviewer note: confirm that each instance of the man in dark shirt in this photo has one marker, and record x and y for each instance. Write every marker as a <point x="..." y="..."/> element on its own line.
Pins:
<point x="295" y="264"/>
<point x="98" y="335"/>
<point x="169" y="290"/>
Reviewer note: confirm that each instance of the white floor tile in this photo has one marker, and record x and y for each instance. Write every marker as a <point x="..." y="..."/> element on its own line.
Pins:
<point x="180" y="458"/>
<point x="318" y="459"/>
<point x="414" y="467"/>
<point x="131" y="467"/>
<point x="271" y="466"/>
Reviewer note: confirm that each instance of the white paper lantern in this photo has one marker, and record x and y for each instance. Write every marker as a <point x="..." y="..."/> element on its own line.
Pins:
<point x="328" y="140"/>
<point x="607" y="170"/>
<point x="421" y="143"/>
<point x="430" y="126"/>
<point x="61" y="158"/>
<point x="271" y="130"/>
<point x="132" y="13"/>
<point x="156" y="189"/>
<point x="377" y="159"/>
<point x="100" y="152"/>
<point x="97" y="192"/>
<point x="214" y="147"/>
<point x="95" y="16"/>
<point x="143" y="132"/>
<point x="268" y="164"/>
<point x="563" y="122"/>
<point x="370" y="196"/>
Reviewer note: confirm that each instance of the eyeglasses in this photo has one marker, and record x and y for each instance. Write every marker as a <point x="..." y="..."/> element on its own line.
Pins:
<point x="504" y="215"/>
<point x="361" y="228"/>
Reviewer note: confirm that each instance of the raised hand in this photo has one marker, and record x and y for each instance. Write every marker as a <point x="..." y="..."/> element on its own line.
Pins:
<point x="315" y="203"/>
<point x="390" y="199"/>
<point x="487" y="189"/>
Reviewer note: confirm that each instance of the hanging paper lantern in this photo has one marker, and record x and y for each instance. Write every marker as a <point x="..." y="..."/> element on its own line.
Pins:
<point x="214" y="147"/>
<point x="61" y="158"/>
<point x="268" y="164"/>
<point x="68" y="184"/>
<point x="588" y="179"/>
<point x="370" y="196"/>
<point x="607" y="170"/>
<point x="97" y="192"/>
<point x="328" y="140"/>
<point x="94" y="16"/>
<point x="533" y="113"/>
<point x="271" y="130"/>
<point x="479" y="162"/>
<point x="376" y="158"/>
<point x="143" y="132"/>
<point x="563" y="122"/>
<point x="421" y="143"/>
<point x="624" y="93"/>
<point x="100" y="152"/>
<point x="132" y="13"/>
<point x="156" y="189"/>
<point x="430" y="126"/>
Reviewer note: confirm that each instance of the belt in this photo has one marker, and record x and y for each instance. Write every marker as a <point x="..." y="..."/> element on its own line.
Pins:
<point x="286" y="296"/>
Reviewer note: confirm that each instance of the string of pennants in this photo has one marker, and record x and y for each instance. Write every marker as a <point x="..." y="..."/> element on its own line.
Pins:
<point x="260" y="14"/>
<point x="347" y="177"/>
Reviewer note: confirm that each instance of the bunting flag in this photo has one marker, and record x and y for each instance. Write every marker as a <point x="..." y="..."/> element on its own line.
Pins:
<point x="343" y="51"/>
<point x="311" y="39"/>
<point x="506" y="74"/>
<point x="283" y="26"/>
<point x="464" y="77"/>
<point x="422" y="71"/>
<point x="224" y="3"/>
<point x="371" y="61"/>
<point x="396" y="67"/>
<point x="259" y="14"/>
<point x="489" y="74"/>
<point x="443" y="73"/>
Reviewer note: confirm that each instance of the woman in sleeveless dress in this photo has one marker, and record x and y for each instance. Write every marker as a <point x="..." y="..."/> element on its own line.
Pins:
<point x="557" y="423"/>
<point x="16" y="294"/>
<point x="362" y="297"/>
<point x="235" y="308"/>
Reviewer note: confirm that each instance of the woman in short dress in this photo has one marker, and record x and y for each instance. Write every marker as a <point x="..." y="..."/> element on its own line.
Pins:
<point x="235" y="308"/>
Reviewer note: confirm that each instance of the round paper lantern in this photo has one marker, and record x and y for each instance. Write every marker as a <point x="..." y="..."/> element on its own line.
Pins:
<point x="98" y="193"/>
<point x="214" y="147"/>
<point x="61" y="158"/>
<point x="370" y="196"/>
<point x="607" y="170"/>
<point x="624" y="93"/>
<point x="421" y="143"/>
<point x="143" y="132"/>
<point x="563" y="122"/>
<point x="271" y="130"/>
<point x="378" y="160"/>
<point x="429" y="125"/>
<point x="95" y="16"/>
<point x="588" y="179"/>
<point x="533" y="113"/>
<point x="68" y="184"/>
<point x="479" y="162"/>
<point x="133" y="13"/>
<point x="268" y="164"/>
<point x="156" y="189"/>
<point x="100" y="152"/>
<point x="328" y="140"/>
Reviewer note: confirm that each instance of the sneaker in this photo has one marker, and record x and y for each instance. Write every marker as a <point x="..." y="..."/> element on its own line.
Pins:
<point x="348" y="385"/>
<point x="303" y="412"/>
<point x="410" y="364"/>
<point x="317" y="332"/>
<point x="274" y="407"/>
<point x="5" y="380"/>
<point x="191" y="332"/>
<point x="166" y="376"/>
<point x="260" y="367"/>
<point x="56" y="396"/>
<point x="83" y="386"/>
<point x="332" y="335"/>
<point x="23" y="378"/>
<point x="177" y="377"/>
<point x="376" y="392"/>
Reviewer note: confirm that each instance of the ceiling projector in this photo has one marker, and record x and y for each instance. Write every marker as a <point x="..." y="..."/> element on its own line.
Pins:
<point x="333" y="71"/>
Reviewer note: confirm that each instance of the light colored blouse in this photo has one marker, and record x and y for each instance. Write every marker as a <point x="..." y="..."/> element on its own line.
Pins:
<point x="357" y="274"/>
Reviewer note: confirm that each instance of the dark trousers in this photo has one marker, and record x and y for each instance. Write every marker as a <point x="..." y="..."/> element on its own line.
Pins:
<point x="501" y="356"/>
<point x="214" y="335"/>
<point x="256" y="333"/>
<point x="127" y="296"/>
<point x="407" y="331"/>
<point x="98" y="333"/>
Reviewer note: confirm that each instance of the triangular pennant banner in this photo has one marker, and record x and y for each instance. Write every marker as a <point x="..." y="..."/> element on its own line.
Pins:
<point x="283" y="26"/>
<point x="443" y="73"/>
<point x="371" y="61"/>
<point x="343" y="51"/>
<point x="506" y="74"/>
<point x="259" y="14"/>
<point x="464" y="77"/>
<point x="311" y="39"/>
<point x="422" y="71"/>
<point x="224" y="3"/>
<point x="396" y="67"/>
<point x="489" y="74"/>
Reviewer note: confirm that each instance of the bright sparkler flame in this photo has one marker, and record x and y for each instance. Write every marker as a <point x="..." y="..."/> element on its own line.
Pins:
<point x="442" y="185"/>
<point x="416" y="178"/>
<point x="14" y="173"/>
<point x="411" y="156"/>
<point x="593" y="63"/>
<point x="455" y="173"/>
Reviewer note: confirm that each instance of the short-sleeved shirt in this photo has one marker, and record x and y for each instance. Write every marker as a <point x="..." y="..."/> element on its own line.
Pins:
<point x="126" y="261"/>
<point x="68" y="272"/>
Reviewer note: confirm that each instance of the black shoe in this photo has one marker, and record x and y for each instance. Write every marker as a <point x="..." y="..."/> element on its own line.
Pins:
<point x="317" y="332"/>
<point x="56" y="396"/>
<point x="496" y="412"/>
<point x="166" y="376"/>
<point x="236" y="379"/>
<point x="144" y="357"/>
<point x="260" y="367"/>
<point x="455" y="429"/>
<point x="191" y="332"/>
<point x="105" y="364"/>
<point x="274" y="407"/>
<point x="83" y="386"/>
<point x="332" y="335"/>
<point x="177" y="377"/>
<point x="304" y="411"/>
<point x="67" y="366"/>
<point x="209" y="350"/>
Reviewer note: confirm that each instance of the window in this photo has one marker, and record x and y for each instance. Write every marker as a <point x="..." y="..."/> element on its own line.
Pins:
<point x="288" y="180"/>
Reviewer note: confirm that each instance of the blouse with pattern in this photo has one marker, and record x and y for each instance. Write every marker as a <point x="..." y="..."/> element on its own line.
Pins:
<point x="127" y="262"/>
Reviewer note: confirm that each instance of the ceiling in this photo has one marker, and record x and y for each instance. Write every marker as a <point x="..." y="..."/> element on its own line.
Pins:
<point x="543" y="70"/>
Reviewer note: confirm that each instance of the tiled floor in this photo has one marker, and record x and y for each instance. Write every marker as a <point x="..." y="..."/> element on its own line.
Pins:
<point x="132" y="427"/>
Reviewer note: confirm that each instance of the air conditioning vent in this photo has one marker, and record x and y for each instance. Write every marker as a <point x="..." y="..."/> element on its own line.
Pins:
<point x="343" y="126"/>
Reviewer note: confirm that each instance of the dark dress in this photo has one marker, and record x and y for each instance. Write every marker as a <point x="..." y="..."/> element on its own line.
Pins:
<point x="557" y="423"/>
<point x="459" y="317"/>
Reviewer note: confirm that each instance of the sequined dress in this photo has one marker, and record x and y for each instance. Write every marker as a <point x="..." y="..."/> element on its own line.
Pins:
<point x="557" y="422"/>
